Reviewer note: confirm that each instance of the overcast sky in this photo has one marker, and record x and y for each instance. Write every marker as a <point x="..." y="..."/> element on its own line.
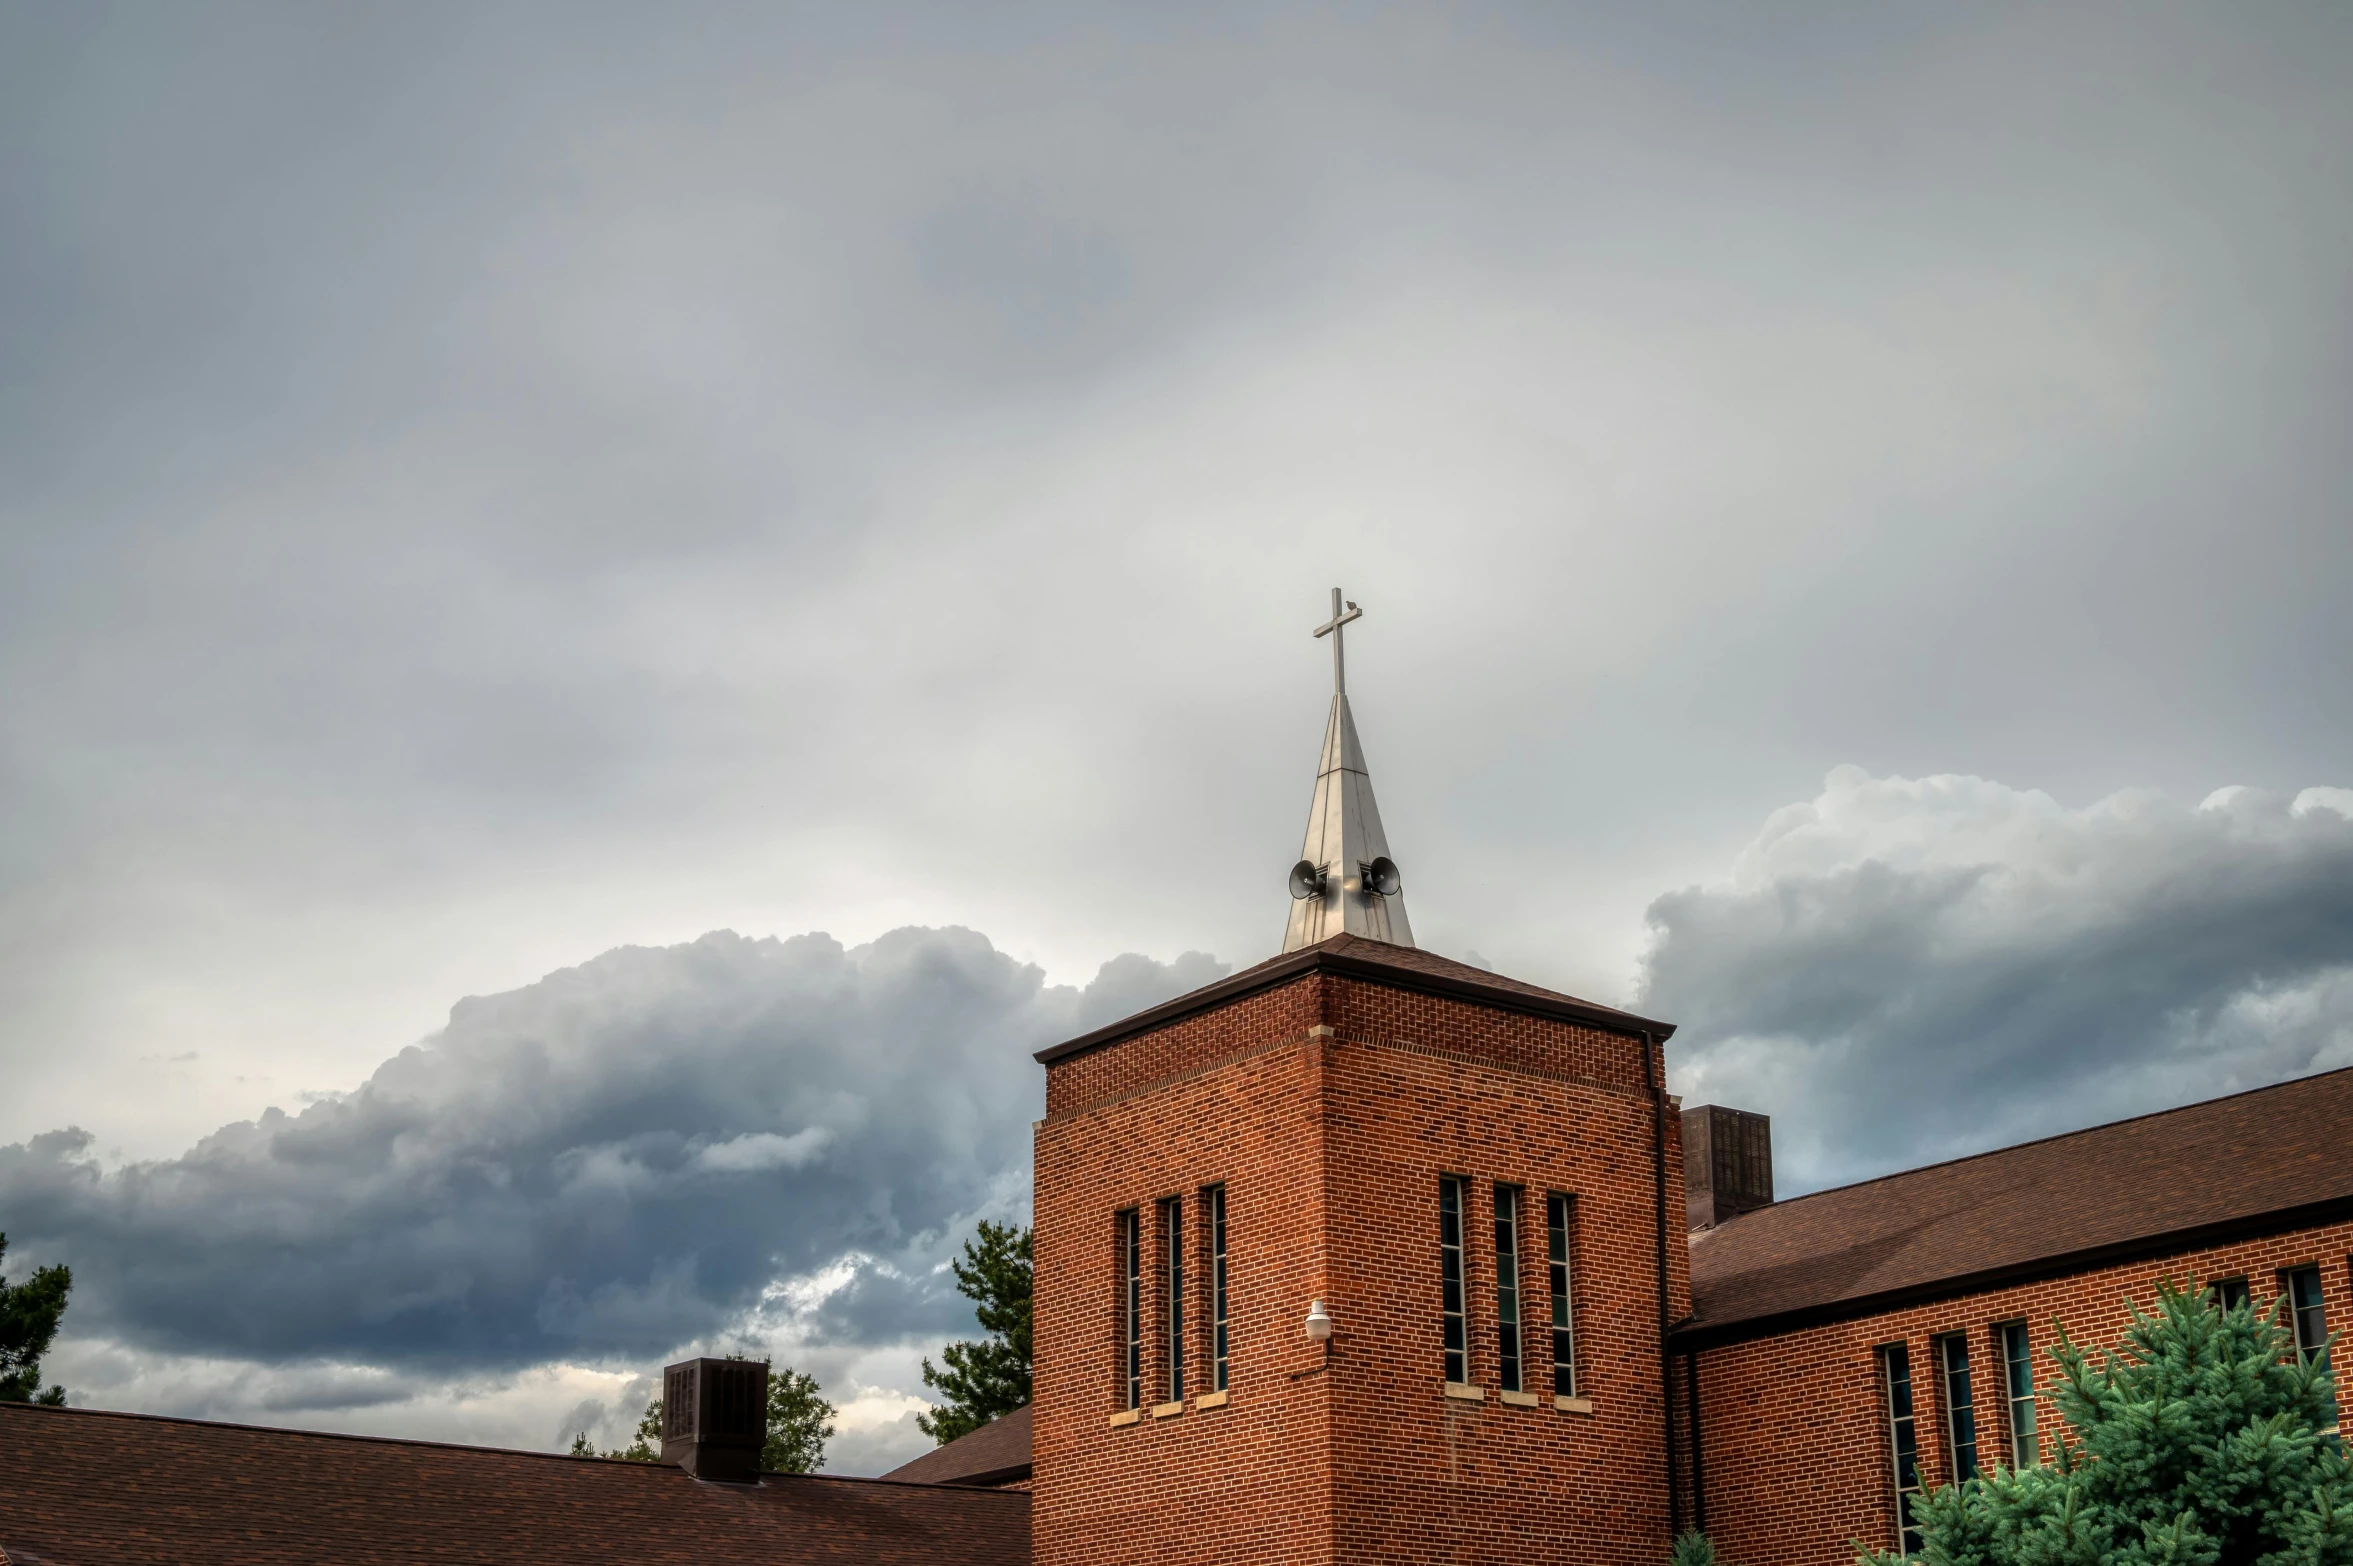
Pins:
<point x="1835" y="494"/>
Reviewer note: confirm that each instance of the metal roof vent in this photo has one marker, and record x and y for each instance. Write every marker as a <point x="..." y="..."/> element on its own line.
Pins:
<point x="1727" y="1164"/>
<point x="715" y="1418"/>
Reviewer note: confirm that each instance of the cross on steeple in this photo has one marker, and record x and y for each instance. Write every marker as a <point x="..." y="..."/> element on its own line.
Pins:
<point x="1331" y="628"/>
<point x="1345" y="883"/>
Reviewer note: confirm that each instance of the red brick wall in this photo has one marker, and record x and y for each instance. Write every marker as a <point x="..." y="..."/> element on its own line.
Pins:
<point x="1446" y="1027"/>
<point x="1276" y="1016"/>
<point x="1794" y="1441"/>
<point x="1438" y="1024"/>
<point x="1330" y="1150"/>
<point x="1423" y="1477"/>
<point x="1239" y="1483"/>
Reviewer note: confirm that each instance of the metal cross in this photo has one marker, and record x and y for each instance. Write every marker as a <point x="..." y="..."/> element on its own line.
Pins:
<point x="1331" y="628"/>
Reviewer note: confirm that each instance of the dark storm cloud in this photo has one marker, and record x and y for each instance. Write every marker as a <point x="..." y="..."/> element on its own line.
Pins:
<point x="620" y="1158"/>
<point x="1903" y="970"/>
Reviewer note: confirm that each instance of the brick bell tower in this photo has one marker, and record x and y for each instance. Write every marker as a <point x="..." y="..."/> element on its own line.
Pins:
<point x="1361" y="1254"/>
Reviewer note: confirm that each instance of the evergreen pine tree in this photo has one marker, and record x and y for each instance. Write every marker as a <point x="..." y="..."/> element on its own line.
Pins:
<point x="989" y="1378"/>
<point x="29" y="1313"/>
<point x="1692" y="1549"/>
<point x="2204" y="1441"/>
<point x="647" y="1448"/>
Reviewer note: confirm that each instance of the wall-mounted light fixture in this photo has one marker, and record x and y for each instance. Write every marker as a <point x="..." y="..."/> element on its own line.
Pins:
<point x="1319" y="1323"/>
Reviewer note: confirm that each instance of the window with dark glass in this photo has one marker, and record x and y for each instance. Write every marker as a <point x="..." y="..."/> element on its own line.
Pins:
<point x="1564" y="1341"/>
<point x="2229" y="1293"/>
<point x="1213" y="1214"/>
<point x="1131" y="1310"/>
<point x="1895" y="1365"/>
<point x="2018" y="1388"/>
<point x="1960" y="1414"/>
<point x="1450" y="1205"/>
<point x="2303" y="1290"/>
<point x="1172" y="1239"/>
<point x="2304" y="1302"/>
<point x="1507" y="1284"/>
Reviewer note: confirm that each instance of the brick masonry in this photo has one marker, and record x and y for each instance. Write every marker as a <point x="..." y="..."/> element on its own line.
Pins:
<point x="1329" y="1107"/>
<point x="1794" y="1451"/>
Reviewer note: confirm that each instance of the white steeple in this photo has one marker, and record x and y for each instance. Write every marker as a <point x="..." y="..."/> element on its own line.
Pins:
<point x="1345" y="880"/>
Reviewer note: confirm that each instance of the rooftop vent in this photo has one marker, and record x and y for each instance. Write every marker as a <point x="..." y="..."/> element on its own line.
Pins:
<point x="1727" y="1164"/>
<point x="715" y="1418"/>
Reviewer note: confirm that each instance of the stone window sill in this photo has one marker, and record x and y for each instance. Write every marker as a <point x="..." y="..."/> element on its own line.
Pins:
<point x="1519" y="1399"/>
<point x="1167" y="1410"/>
<point x="1126" y="1416"/>
<point x="1573" y="1405"/>
<point x="1210" y="1400"/>
<point x="1467" y="1392"/>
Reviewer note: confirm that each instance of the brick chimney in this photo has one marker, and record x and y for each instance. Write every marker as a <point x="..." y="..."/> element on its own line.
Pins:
<point x="1727" y="1164"/>
<point x="715" y="1418"/>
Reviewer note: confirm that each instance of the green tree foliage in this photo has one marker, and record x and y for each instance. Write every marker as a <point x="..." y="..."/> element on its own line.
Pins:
<point x="29" y="1313"/>
<point x="990" y="1378"/>
<point x="799" y="1424"/>
<point x="1692" y="1549"/>
<point x="2203" y="1442"/>
<point x="647" y="1448"/>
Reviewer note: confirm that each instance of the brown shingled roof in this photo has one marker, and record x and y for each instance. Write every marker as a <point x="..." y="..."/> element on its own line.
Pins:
<point x="2273" y="1158"/>
<point x="90" y="1488"/>
<point x="1373" y="962"/>
<point x="996" y="1453"/>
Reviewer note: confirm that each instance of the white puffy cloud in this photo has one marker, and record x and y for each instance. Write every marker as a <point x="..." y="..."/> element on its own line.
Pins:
<point x="757" y="1150"/>
<point x="1905" y="969"/>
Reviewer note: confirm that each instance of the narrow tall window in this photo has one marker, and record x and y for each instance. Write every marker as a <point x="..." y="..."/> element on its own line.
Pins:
<point x="1507" y="1284"/>
<point x="1458" y="1360"/>
<point x="1131" y="1310"/>
<point x="1564" y="1339"/>
<point x="2229" y="1293"/>
<point x="2311" y="1323"/>
<point x="1895" y="1362"/>
<point x="1960" y="1414"/>
<point x="2018" y="1371"/>
<point x="1213" y="1213"/>
<point x="1172" y="1234"/>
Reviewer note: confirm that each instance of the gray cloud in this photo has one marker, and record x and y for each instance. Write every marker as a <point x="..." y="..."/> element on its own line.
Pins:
<point x="626" y="1156"/>
<point x="487" y="484"/>
<point x="1907" y="969"/>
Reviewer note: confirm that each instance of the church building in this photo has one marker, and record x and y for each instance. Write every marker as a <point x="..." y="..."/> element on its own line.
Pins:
<point x="1366" y="1255"/>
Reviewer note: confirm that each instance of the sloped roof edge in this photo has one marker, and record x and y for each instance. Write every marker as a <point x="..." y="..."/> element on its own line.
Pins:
<point x="1370" y="962"/>
<point x="308" y="1434"/>
<point x="2059" y="1264"/>
<point x="991" y="1455"/>
<point x="2260" y="1161"/>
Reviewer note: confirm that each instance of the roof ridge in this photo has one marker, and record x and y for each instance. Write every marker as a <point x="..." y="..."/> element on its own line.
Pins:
<point x="328" y="1435"/>
<point x="2056" y="1136"/>
<point x="444" y="1446"/>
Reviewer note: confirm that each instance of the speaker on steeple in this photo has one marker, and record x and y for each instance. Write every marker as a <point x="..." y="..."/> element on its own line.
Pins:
<point x="1345" y="881"/>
